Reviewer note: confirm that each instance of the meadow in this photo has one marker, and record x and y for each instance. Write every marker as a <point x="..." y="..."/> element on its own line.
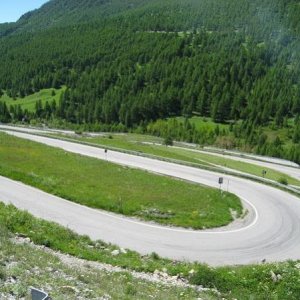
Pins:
<point x="29" y="102"/>
<point x="104" y="185"/>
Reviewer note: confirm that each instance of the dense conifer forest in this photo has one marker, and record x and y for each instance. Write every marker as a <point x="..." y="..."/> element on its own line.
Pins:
<point x="136" y="64"/>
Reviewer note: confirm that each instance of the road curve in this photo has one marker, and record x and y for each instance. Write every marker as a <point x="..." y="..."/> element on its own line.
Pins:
<point x="288" y="170"/>
<point x="276" y="164"/>
<point x="273" y="235"/>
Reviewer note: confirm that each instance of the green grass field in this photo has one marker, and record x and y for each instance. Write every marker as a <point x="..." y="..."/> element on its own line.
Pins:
<point x="28" y="102"/>
<point x="107" y="186"/>
<point x="207" y="124"/>
<point x="201" y="123"/>
<point x="134" y="142"/>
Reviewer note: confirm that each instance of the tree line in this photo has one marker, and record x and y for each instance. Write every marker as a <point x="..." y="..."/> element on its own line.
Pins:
<point x="144" y="61"/>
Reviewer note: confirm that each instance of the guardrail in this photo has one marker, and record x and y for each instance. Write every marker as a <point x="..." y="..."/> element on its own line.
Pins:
<point x="39" y="295"/>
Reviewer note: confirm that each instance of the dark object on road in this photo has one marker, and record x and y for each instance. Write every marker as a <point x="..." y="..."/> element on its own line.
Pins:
<point x="39" y="295"/>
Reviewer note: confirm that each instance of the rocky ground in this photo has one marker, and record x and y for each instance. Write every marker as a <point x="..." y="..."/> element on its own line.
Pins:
<point x="24" y="265"/>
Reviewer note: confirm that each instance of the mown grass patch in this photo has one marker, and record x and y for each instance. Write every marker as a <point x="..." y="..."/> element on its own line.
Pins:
<point x="28" y="102"/>
<point x="100" y="184"/>
<point x="202" y="123"/>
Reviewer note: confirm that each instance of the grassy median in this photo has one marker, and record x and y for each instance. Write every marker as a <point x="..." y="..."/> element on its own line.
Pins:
<point x="135" y="142"/>
<point x="100" y="184"/>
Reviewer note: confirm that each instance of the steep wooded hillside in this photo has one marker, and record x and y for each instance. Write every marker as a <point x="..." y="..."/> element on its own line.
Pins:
<point x="133" y="62"/>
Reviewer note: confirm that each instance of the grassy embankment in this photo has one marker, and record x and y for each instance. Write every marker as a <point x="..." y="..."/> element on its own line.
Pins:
<point x="134" y="142"/>
<point x="267" y="281"/>
<point x="29" y="102"/>
<point x="100" y="184"/>
<point x="60" y="278"/>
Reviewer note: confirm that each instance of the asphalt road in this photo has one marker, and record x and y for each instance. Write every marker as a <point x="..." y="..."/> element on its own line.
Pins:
<point x="272" y="233"/>
<point x="274" y="160"/>
<point x="278" y="165"/>
<point x="44" y="130"/>
<point x="272" y="163"/>
<point x="291" y="171"/>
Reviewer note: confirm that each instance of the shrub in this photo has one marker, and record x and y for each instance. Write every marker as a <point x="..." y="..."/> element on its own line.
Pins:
<point x="154" y="256"/>
<point x="2" y="274"/>
<point x="168" y="141"/>
<point x="283" y="180"/>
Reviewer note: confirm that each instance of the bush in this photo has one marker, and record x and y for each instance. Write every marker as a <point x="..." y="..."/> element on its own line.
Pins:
<point x="204" y="276"/>
<point x="154" y="256"/>
<point x="2" y="274"/>
<point x="219" y="278"/>
<point x="283" y="180"/>
<point x="168" y="141"/>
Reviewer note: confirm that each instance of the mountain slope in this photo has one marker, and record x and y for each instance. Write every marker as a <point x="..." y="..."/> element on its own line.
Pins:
<point x="135" y="61"/>
<point x="169" y="14"/>
<point x="58" y="13"/>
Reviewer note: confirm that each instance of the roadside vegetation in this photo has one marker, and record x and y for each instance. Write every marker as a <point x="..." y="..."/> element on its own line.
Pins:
<point x="266" y="281"/>
<point x="151" y="145"/>
<point x="270" y="139"/>
<point x="100" y="184"/>
<point x="64" y="277"/>
<point x="135" y="142"/>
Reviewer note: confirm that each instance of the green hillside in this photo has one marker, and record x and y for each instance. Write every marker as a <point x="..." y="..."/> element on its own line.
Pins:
<point x="165" y="15"/>
<point x="29" y="102"/>
<point x="131" y="63"/>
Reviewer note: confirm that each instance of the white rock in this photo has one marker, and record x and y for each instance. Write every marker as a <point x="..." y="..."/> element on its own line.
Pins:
<point x="70" y="288"/>
<point x="12" y="280"/>
<point x="273" y="276"/>
<point x="123" y="251"/>
<point x="49" y="269"/>
<point x="279" y="277"/>
<point x="115" y="252"/>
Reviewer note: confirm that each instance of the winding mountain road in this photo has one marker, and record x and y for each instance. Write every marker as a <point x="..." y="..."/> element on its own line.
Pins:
<point x="288" y="170"/>
<point x="272" y="232"/>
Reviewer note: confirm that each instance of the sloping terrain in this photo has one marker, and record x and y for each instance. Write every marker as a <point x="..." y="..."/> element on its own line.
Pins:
<point x="128" y="63"/>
